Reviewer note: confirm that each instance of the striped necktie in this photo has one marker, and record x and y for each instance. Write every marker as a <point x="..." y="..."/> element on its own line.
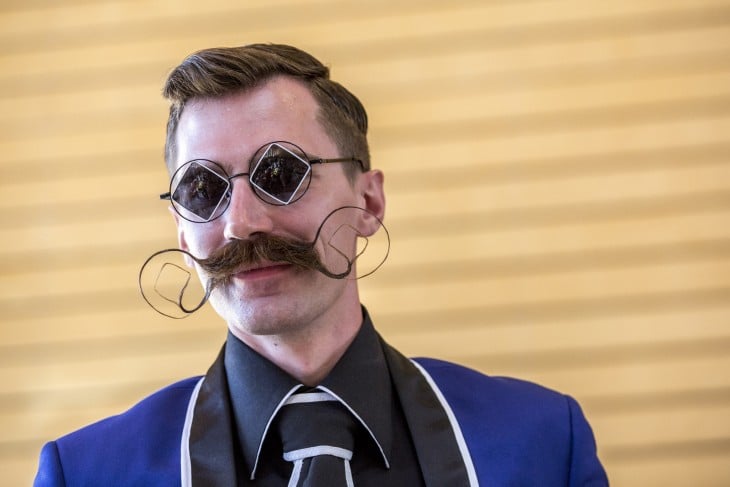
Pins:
<point x="317" y="434"/>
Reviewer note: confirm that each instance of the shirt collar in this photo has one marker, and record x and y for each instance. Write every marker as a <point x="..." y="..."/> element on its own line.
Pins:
<point x="360" y="379"/>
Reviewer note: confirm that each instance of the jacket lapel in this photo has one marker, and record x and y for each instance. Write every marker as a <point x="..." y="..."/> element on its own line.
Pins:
<point x="441" y="452"/>
<point x="211" y="434"/>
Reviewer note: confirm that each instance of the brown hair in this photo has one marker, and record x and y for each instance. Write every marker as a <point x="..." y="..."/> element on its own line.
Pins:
<point x="217" y="72"/>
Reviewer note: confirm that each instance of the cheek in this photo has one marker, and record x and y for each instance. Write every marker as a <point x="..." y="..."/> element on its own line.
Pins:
<point x="324" y="208"/>
<point x="338" y="235"/>
<point x="302" y="219"/>
<point x="200" y="241"/>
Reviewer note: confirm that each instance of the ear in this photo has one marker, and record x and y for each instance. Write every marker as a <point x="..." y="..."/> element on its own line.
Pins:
<point x="372" y="194"/>
<point x="181" y="241"/>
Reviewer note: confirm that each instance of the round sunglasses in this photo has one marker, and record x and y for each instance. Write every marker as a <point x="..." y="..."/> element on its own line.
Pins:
<point x="279" y="174"/>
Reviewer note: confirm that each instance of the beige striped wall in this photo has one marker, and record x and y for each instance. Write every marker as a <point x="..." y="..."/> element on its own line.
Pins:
<point x="558" y="178"/>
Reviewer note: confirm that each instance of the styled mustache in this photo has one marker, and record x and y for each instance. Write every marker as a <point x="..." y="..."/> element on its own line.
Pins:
<point x="165" y="284"/>
<point x="238" y="254"/>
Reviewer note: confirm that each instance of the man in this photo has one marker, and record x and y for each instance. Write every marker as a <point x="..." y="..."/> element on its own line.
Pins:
<point x="271" y="186"/>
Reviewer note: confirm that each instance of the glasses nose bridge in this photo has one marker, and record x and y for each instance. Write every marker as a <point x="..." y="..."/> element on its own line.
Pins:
<point x="231" y="189"/>
<point x="238" y="175"/>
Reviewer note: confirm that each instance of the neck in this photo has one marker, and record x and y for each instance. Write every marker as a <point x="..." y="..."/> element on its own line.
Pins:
<point x="309" y="353"/>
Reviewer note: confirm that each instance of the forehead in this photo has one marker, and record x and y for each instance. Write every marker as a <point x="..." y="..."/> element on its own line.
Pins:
<point x="230" y="129"/>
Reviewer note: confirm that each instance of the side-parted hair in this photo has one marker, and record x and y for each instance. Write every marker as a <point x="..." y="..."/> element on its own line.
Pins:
<point x="217" y="72"/>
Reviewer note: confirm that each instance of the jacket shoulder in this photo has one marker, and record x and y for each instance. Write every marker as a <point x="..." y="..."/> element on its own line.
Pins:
<point x="139" y="444"/>
<point x="466" y="384"/>
<point x="518" y="428"/>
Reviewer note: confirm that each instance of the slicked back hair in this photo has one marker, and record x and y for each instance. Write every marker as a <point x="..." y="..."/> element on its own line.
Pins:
<point x="217" y="72"/>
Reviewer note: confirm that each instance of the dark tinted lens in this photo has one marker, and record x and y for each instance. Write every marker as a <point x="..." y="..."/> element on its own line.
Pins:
<point x="199" y="189"/>
<point x="280" y="173"/>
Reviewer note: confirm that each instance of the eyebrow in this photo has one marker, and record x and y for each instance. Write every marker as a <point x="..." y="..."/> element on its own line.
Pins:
<point x="224" y="165"/>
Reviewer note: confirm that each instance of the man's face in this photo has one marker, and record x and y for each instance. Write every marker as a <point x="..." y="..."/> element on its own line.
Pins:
<point x="273" y="297"/>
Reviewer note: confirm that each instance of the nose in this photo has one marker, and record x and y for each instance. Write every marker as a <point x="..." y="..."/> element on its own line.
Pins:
<point x="247" y="214"/>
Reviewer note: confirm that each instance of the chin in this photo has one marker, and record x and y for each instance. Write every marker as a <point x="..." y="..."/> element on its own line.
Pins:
<point x="261" y="319"/>
<point x="264" y="324"/>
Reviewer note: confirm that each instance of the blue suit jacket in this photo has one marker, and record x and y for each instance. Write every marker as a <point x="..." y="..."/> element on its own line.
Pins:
<point x="500" y="431"/>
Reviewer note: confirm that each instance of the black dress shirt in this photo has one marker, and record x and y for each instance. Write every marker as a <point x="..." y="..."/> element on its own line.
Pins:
<point x="384" y="454"/>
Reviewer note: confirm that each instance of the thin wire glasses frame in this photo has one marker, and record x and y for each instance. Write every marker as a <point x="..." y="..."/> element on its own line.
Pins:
<point x="279" y="174"/>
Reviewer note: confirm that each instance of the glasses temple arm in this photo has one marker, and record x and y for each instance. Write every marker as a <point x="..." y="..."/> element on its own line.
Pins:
<point x="339" y="159"/>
